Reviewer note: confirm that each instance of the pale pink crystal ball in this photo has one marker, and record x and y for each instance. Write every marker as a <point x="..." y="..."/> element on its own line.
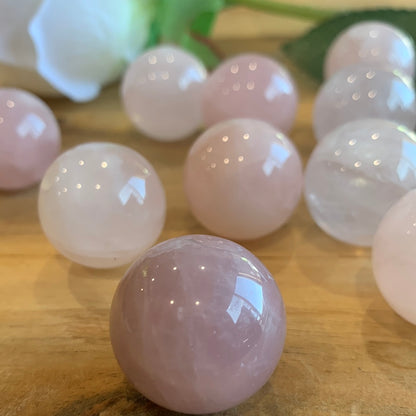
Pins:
<point x="243" y="179"/>
<point x="394" y="259"/>
<point x="101" y="204"/>
<point x="30" y="139"/>
<point x="161" y="92"/>
<point x="378" y="44"/>
<point x="364" y="92"/>
<point x="251" y="86"/>
<point x="356" y="173"/>
<point x="198" y="324"/>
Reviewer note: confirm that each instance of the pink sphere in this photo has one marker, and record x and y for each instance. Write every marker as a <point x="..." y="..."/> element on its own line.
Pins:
<point x="251" y="86"/>
<point x="30" y="139"/>
<point x="197" y="324"/>
<point x="101" y="204"/>
<point x="243" y="179"/>
<point x="161" y="92"/>
<point x="378" y="44"/>
<point x="360" y="92"/>
<point x="394" y="260"/>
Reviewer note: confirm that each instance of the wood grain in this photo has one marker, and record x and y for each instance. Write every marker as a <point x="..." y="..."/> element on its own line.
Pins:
<point x="346" y="353"/>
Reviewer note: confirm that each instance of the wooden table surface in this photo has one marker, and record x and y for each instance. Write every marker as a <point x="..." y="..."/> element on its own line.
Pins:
<point x="346" y="351"/>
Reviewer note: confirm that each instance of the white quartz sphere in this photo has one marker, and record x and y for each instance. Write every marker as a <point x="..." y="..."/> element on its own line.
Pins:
<point x="356" y="173"/>
<point x="162" y="93"/>
<point x="394" y="259"/>
<point x="101" y="204"/>
<point x="374" y="43"/>
<point x="364" y="92"/>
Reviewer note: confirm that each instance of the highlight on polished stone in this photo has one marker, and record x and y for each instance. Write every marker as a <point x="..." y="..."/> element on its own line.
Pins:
<point x="243" y="179"/>
<point x="197" y="324"/>
<point x="364" y="92"/>
<point x="356" y="173"/>
<point x="374" y="43"/>
<point x="30" y="139"/>
<point x="394" y="260"/>
<point x="252" y="86"/>
<point x="161" y="92"/>
<point x="101" y="204"/>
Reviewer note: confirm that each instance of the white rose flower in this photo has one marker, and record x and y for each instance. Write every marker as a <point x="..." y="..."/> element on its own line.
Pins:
<point x="76" y="46"/>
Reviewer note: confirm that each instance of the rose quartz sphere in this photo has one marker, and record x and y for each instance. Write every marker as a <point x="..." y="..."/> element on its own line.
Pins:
<point x="243" y="179"/>
<point x="252" y="86"/>
<point x="394" y="260"/>
<point x="374" y="43"/>
<point x="30" y="139"/>
<point x="356" y="173"/>
<point x="101" y="204"/>
<point x="364" y="92"/>
<point x="197" y="324"/>
<point x="161" y="92"/>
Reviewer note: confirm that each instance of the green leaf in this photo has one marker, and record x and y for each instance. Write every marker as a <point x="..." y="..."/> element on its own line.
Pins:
<point x="203" y="51"/>
<point x="308" y="52"/>
<point x="184" y="22"/>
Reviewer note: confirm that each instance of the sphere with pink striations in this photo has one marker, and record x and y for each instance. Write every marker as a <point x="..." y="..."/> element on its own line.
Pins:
<point x="197" y="324"/>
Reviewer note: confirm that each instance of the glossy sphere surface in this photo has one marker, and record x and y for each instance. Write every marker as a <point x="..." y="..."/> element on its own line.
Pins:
<point x="161" y="92"/>
<point x="374" y="43"/>
<point x="197" y="324"/>
<point x="101" y="204"/>
<point x="243" y="179"/>
<point x="356" y="174"/>
<point x="252" y="86"/>
<point x="364" y="92"/>
<point x="30" y="139"/>
<point x="394" y="260"/>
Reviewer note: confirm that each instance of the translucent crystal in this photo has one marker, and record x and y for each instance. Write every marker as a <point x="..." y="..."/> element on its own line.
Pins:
<point x="197" y="324"/>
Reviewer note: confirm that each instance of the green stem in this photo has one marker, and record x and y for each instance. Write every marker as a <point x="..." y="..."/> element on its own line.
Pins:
<point x="293" y="10"/>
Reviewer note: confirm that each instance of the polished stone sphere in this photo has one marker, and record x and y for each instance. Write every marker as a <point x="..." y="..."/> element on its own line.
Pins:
<point x="30" y="139"/>
<point x="250" y="86"/>
<point x="243" y="179"/>
<point x="161" y="92"/>
<point x="378" y="44"/>
<point x="197" y="324"/>
<point x="101" y="204"/>
<point x="364" y="92"/>
<point x="356" y="173"/>
<point x="394" y="259"/>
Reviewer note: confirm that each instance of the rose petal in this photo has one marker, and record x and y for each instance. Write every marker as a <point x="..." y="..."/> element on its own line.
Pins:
<point x="82" y="45"/>
<point x="16" y="46"/>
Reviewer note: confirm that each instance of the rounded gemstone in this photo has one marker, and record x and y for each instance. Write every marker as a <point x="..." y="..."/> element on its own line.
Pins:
<point x="243" y="179"/>
<point x="356" y="173"/>
<point x="30" y="139"/>
<point x="378" y="44"/>
<point x="250" y="86"/>
<point x="364" y="92"/>
<point x="197" y="324"/>
<point x="101" y="204"/>
<point x="161" y="92"/>
<point x="394" y="260"/>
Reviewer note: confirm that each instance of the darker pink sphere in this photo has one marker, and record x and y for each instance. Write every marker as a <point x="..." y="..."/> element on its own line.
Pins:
<point x="30" y="139"/>
<point x="251" y="86"/>
<point x="198" y="324"/>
